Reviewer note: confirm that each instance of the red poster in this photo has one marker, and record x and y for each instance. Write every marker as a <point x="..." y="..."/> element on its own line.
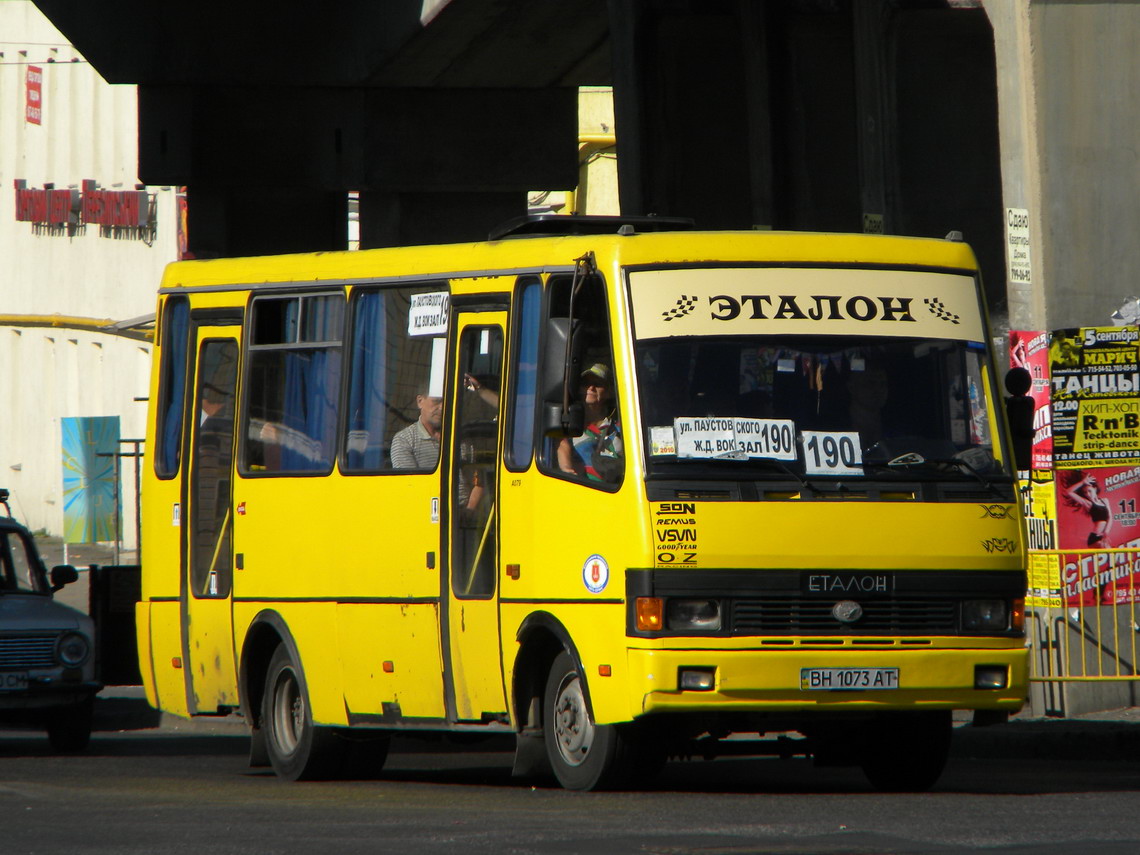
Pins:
<point x="34" y="81"/>
<point x="1030" y="350"/>
<point x="1098" y="508"/>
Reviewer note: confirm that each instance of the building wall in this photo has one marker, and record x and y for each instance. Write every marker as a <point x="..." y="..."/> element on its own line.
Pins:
<point x="1068" y="126"/>
<point x="88" y="131"/>
<point x="1088" y="70"/>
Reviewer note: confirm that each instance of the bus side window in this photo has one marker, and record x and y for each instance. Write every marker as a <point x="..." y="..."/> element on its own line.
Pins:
<point x="520" y="443"/>
<point x="293" y="383"/>
<point x="597" y="456"/>
<point x="172" y="393"/>
<point x="389" y="371"/>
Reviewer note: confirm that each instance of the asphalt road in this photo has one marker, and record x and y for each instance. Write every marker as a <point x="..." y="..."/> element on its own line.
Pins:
<point x="190" y="790"/>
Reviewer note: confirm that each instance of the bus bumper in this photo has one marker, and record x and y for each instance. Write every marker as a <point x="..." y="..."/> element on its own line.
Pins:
<point x="777" y="680"/>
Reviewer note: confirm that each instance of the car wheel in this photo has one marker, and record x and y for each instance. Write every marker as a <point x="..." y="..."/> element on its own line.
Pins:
<point x="69" y="730"/>
<point x="298" y="750"/>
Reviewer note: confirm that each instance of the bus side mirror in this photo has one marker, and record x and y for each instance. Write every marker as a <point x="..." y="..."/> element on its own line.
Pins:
<point x="558" y="376"/>
<point x="1019" y="414"/>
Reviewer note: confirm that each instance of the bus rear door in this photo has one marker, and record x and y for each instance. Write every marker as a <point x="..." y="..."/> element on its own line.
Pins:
<point x="207" y="555"/>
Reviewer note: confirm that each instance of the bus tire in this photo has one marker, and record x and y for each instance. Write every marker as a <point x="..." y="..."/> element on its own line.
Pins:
<point x="298" y="750"/>
<point x="906" y="752"/>
<point x="583" y="755"/>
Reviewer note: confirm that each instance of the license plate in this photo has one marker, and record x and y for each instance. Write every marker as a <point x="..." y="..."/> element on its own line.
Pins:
<point x="849" y="679"/>
<point x="13" y="680"/>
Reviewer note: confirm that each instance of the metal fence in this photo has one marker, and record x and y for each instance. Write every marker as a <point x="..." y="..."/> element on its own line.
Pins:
<point x="1083" y="629"/>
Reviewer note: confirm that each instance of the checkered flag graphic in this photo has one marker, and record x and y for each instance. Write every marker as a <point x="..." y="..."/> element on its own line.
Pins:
<point x="683" y="307"/>
<point x="939" y="310"/>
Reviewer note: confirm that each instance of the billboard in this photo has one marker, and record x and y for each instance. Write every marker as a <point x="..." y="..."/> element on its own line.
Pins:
<point x="90" y="479"/>
<point x="1095" y="375"/>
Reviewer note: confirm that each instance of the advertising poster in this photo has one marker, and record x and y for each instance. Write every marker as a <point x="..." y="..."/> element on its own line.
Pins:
<point x="90" y="506"/>
<point x="1044" y="581"/>
<point x="1039" y="503"/>
<point x="1030" y="350"/>
<point x="1097" y="509"/>
<point x="1096" y="403"/>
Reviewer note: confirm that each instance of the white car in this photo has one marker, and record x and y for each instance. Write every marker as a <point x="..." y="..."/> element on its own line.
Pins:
<point x="47" y="649"/>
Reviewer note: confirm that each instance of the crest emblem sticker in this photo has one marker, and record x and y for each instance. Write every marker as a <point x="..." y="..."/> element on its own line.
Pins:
<point x="596" y="574"/>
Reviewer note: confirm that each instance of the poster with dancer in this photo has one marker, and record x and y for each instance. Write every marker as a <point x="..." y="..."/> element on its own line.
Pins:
<point x="1098" y="509"/>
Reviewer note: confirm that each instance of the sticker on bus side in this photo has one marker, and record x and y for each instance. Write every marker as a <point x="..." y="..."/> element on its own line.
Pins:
<point x="675" y="534"/>
<point x="596" y="574"/>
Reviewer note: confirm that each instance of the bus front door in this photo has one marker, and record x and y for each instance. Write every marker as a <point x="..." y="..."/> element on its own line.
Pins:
<point x="207" y="565"/>
<point x="474" y="667"/>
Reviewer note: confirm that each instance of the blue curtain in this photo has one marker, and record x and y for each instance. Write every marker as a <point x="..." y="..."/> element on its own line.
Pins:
<point x="522" y="427"/>
<point x="367" y="406"/>
<point x="311" y="387"/>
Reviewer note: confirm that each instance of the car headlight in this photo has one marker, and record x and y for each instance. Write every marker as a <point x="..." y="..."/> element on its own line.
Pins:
<point x="72" y="649"/>
<point x="692" y="614"/>
<point x="985" y="615"/>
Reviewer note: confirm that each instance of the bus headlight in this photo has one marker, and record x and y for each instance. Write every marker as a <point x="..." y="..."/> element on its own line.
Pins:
<point x="72" y="649"/>
<point x="693" y="614"/>
<point x="985" y="615"/>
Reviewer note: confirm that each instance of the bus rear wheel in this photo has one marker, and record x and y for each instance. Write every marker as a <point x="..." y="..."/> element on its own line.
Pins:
<point x="906" y="752"/>
<point x="298" y="750"/>
<point x="583" y="755"/>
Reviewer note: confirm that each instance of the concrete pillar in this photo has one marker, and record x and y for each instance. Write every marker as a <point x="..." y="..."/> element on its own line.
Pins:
<point x="235" y="220"/>
<point x="1020" y="154"/>
<point x="1069" y="122"/>
<point x="404" y="219"/>
<point x="682" y="111"/>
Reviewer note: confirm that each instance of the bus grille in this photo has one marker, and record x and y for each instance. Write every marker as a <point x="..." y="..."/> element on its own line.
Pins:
<point x="21" y="652"/>
<point x="801" y="616"/>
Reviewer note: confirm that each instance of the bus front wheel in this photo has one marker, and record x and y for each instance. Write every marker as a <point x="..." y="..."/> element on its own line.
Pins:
<point x="584" y="755"/>
<point x="298" y="750"/>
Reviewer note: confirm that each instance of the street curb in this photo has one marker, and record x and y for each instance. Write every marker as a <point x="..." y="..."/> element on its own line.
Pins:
<point x="1057" y="739"/>
<point x="1060" y="739"/>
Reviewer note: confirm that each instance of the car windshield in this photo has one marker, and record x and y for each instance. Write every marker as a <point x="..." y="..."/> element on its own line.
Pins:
<point x="20" y="567"/>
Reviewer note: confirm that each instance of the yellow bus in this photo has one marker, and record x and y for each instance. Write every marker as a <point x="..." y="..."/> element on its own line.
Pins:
<point x="621" y="493"/>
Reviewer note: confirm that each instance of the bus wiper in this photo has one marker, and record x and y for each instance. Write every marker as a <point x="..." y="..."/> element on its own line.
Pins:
<point x="913" y="458"/>
<point x="787" y="470"/>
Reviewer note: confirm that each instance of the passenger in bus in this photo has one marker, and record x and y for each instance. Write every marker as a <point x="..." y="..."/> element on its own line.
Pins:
<point x="597" y="454"/>
<point x="417" y="445"/>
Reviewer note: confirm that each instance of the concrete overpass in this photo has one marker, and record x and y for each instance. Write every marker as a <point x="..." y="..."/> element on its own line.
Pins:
<point x="1012" y="121"/>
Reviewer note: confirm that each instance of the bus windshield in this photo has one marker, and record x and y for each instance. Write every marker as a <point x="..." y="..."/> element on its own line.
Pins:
<point x="816" y="372"/>
<point x="818" y="405"/>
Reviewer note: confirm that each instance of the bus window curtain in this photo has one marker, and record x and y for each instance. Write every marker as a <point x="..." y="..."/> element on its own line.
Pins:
<point x="368" y="408"/>
<point x="311" y="385"/>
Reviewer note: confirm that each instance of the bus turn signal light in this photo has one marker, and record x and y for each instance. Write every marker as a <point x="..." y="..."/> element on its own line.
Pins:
<point x="1017" y="615"/>
<point x="650" y="613"/>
